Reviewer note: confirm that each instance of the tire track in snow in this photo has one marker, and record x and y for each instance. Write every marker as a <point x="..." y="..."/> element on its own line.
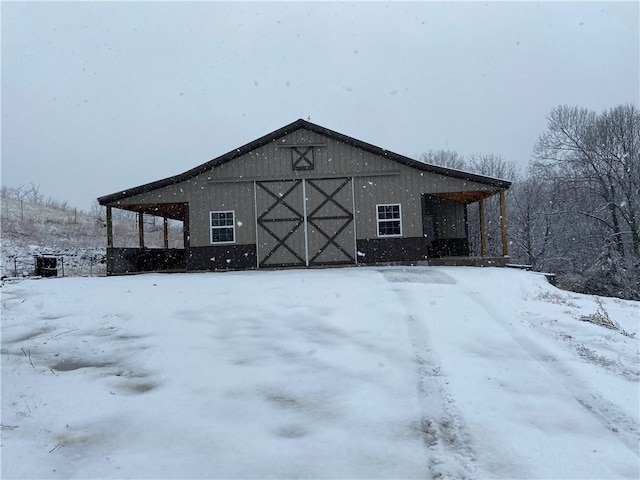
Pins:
<point x="442" y="425"/>
<point x="624" y="428"/>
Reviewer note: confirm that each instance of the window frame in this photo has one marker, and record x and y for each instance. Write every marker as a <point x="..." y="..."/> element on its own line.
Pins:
<point x="382" y="220"/>
<point x="221" y="227"/>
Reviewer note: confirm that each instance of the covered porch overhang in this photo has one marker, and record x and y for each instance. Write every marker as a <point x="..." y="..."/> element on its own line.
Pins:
<point x="479" y="196"/>
<point x="168" y="211"/>
<point x="123" y="260"/>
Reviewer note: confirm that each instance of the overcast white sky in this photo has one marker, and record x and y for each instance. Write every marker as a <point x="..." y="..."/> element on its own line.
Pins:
<point x="98" y="97"/>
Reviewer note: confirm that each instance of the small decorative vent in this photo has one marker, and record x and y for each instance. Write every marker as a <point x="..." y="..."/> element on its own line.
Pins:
<point x="302" y="158"/>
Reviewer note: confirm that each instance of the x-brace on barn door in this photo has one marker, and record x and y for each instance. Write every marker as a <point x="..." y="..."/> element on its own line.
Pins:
<point x="305" y="222"/>
<point x="330" y="235"/>
<point x="280" y="216"/>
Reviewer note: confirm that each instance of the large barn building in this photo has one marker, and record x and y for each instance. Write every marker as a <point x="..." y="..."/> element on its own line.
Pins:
<point x="305" y="196"/>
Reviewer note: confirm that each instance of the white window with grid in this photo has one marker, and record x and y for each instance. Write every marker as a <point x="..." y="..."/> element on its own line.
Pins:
<point x="389" y="217"/>
<point x="223" y="228"/>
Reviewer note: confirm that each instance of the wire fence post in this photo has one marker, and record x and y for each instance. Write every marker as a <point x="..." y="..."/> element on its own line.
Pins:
<point x="75" y="265"/>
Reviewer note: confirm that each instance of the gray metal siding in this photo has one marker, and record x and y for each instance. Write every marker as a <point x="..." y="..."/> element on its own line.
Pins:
<point x="451" y="220"/>
<point x="377" y="180"/>
<point x="450" y="217"/>
<point x="273" y="161"/>
<point x="181" y="192"/>
<point x="236" y="197"/>
<point x="372" y="191"/>
<point x="405" y="188"/>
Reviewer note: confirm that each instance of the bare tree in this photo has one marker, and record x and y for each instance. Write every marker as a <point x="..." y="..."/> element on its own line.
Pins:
<point x="598" y="154"/>
<point x="530" y="215"/>
<point x="444" y="158"/>
<point x="33" y="194"/>
<point x="493" y="166"/>
<point x="592" y="161"/>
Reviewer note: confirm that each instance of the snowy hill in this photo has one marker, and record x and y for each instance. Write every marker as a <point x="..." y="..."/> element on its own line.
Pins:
<point x="78" y="239"/>
<point x="417" y="372"/>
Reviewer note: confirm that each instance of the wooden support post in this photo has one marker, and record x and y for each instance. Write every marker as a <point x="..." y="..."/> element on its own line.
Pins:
<point x="109" y="228"/>
<point x="165" y="231"/>
<point x="186" y="228"/>
<point x="503" y="224"/>
<point x="483" y="233"/>
<point x="141" y="228"/>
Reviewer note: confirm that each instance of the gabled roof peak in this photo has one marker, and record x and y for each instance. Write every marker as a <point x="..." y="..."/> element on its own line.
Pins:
<point x="296" y="125"/>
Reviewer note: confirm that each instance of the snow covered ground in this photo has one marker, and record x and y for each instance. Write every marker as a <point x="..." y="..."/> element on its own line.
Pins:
<point x="416" y="372"/>
<point x="78" y="240"/>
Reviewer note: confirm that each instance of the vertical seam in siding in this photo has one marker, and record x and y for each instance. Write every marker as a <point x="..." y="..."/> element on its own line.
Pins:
<point x="304" y="214"/>
<point x="255" y="210"/>
<point x="355" y="222"/>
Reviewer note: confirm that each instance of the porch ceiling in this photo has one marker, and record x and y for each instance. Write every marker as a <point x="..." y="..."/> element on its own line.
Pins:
<point x="467" y="197"/>
<point x="174" y="211"/>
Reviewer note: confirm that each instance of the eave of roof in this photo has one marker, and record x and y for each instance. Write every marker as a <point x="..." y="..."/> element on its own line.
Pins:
<point x="298" y="124"/>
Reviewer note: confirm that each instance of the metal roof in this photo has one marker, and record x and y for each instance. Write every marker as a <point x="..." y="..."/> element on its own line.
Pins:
<point x="298" y="124"/>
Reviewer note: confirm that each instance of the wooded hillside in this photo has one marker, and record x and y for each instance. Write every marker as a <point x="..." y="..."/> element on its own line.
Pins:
<point x="575" y="211"/>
